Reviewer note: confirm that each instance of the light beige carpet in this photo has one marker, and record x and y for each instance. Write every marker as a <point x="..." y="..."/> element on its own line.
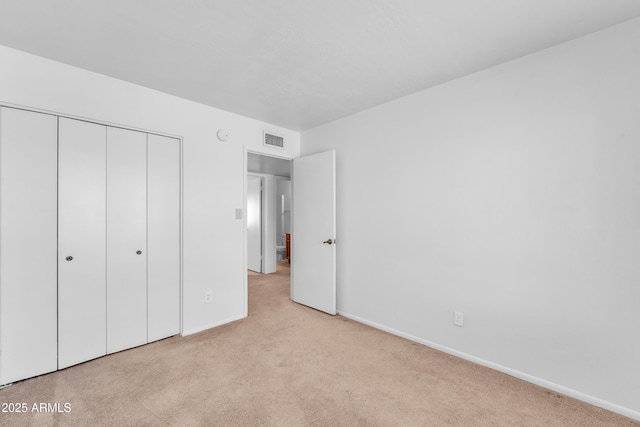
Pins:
<point x="288" y="365"/>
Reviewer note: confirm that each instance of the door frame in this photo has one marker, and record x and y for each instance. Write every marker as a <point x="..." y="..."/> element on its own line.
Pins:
<point x="244" y="216"/>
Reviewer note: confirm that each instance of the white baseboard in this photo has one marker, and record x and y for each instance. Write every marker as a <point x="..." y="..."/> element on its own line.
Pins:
<point x="514" y="373"/>
<point x="212" y="325"/>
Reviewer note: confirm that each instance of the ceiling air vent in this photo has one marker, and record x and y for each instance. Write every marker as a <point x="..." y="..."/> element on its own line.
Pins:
<point x="271" y="140"/>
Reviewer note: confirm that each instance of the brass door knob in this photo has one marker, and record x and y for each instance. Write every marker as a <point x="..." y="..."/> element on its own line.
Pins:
<point x="328" y="242"/>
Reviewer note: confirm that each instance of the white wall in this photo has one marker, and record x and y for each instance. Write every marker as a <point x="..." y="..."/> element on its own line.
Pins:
<point x="268" y="225"/>
<point x="214" y="172"/>
<point x="283" y="188"/>
<point x="512" y="195"/>
<point x="254" y="223"/>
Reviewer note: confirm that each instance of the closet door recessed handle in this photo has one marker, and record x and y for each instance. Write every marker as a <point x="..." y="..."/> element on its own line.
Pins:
<point x="69" y="258"/>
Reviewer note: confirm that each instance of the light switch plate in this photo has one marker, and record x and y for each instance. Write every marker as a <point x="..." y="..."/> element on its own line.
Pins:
<point x="458" y="318"/>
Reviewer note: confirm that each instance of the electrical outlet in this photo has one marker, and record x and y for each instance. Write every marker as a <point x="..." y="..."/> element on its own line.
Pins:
<point x="208" y="296"/>
<point x="458" y="318"/>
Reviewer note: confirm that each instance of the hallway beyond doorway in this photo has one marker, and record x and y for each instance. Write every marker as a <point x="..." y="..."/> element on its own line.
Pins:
<point x="278" y="284"/>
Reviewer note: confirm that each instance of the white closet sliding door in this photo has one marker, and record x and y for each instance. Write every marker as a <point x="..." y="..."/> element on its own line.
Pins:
<point x="81" y="242"/>
<point x="28" y="245"/>
<point x="163" y="236"/>
<point x="126" y="239"/>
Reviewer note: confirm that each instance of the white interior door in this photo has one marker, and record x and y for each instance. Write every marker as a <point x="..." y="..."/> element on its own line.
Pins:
<point x="29" y="244"/>
<point x="81" y="242"/>
<point x="254" y="223"/>
<point x="313" y="252"/>
<point x="163" y="237"/>
<point x="126" y="239"/>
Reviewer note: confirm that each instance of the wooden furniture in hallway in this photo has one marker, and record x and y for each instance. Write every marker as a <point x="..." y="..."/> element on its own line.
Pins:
<point x="287" y="253"/>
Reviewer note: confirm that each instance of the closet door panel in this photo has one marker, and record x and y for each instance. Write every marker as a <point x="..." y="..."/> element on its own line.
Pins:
<point x="28" y="236"/>
<point x="82" y="242"/>
<point x="163" y="236"/>
<point x="126" y="239"/>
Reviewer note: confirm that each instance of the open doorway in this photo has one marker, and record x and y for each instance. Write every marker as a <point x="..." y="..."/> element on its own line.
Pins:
<point x="312" y="279"/>
<point x="269" y="244"/>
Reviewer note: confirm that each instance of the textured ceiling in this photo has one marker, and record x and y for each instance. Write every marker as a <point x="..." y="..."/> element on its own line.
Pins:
<point x="296" y="63"/>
